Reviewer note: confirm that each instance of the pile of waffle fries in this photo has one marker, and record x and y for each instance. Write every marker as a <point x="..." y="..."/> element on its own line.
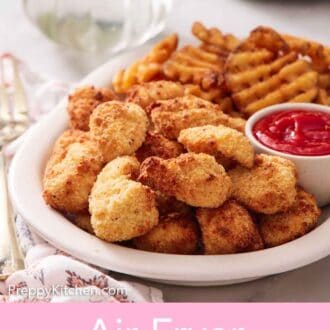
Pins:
<point x="242" y="75"/>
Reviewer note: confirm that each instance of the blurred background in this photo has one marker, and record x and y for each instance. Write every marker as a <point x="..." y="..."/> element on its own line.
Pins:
<point x="65" y="39"/>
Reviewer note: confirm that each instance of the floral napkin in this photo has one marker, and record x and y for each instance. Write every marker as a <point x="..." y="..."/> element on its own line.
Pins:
<point x="50" y="275"/>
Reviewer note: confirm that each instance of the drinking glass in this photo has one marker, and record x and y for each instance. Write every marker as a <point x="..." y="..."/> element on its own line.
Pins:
<point x="98" y="26"/>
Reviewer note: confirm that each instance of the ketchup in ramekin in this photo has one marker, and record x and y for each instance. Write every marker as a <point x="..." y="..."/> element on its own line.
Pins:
<point x="297" y="132"/>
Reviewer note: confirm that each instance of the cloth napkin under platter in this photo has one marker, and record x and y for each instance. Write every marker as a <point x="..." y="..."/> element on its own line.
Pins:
<point x="50" y="275"/>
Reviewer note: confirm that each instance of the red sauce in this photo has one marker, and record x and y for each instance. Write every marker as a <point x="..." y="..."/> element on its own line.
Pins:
<point x="297" y="132"/>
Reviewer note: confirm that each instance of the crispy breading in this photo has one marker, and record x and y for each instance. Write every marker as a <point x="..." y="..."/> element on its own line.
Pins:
<point x="68" y="137"/>
<point x="121" y="209"/>
<point x="124" y="166"/>
<point x="195" y="179"/>
<point x="219" y="140"/>
<point x="146" y="93"/>
<point x="70" y="175"/>
<point x="118" y="128"/>
<point x="228" y="229"/>
<point x="269" y="187"/>
<point x="83" y="101"/>
<point x="156" y="144"/>
<point x="176" y="234"/>
<point x="286" y="226"/>
<point x="83" y="221"/>
<point x="171" y="116"/>
<point x="147" y="68"/>
<point x="258" y="79"/>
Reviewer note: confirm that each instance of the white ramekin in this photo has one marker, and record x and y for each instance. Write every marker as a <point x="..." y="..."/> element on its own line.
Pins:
<point x="313" y="171"/>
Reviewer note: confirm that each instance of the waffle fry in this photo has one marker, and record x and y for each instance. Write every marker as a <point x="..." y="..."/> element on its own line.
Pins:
<point x="148" y="68"/>
<point x="194" y="65"/>
<point x="258" y="79"/>
<point x="319" y="55"/>
<point x="264" y="38"/>
<point x="213" y="39"/>
<point x="324" y="92"/>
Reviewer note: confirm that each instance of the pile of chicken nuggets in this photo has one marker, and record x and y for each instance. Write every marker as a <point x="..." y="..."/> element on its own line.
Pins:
<point x="159" y="160"/>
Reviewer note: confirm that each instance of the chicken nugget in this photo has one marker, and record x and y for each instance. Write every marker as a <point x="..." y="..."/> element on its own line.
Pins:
<point x="219" y="140"/>
<point x="171" y="116"/>
<point x="269" y="187"/>
<point x="121" y="209"/>
<point x="118" y="128"/>
<point x="156" y="144"/>
<point x="146" y="93"/>
<point x="83" y="101"/>
<point x="280" y="228"/>
<point x="176" y="234"/>
<point x="68" y="137"/>
<point x="70" y="175"/>
<point x="195" y="179"/>
<point x="228" y="229"/>
<point x="124" y="166"/>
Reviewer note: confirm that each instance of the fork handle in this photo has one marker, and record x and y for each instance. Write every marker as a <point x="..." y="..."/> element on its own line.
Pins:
<point x="10" y="254"/>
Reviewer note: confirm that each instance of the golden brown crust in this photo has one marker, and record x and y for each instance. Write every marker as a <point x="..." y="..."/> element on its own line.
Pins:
<point x="146" y="93"/>
<point x="195" y="179"/>
<point x="70" y="175"/>
<point x="156" y="144"/>
<point x="83" y="101"/>
<point x="269" y="187"/>
<point x="118" y="128"/>
<point x="228" y="229"/>
<point x="171" y="116"/>
<point x="219" y="141"/>
<point x="176" y="234"/>
<point x="286" y="226"/>
<point x="264" y="37"/>
<point x="121" y="209"/>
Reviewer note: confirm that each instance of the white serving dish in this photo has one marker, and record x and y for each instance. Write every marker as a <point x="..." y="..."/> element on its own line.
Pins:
<point x="313" y="171"/>
<point x="26" y="193"/>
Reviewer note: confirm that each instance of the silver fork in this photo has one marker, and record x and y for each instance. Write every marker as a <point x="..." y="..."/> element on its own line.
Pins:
<point x="13" y="123"/>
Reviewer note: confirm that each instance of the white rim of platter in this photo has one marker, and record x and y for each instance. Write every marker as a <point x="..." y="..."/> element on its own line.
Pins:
<point x="26" y="192"/>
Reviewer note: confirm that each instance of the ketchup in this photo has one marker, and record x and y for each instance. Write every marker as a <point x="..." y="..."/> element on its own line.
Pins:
<point x="297" y="132"/>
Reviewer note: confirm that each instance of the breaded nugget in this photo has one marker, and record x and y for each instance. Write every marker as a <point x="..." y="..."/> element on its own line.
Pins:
<point x="70" y="175"/>
<point x="83" y="101"/>
<point x="176" y="233"/>
<point x="68" y="137"/>
<point x="156" y="144"/>
<point x="215" y="140"/>
<point x="118" y="128"/>
<point x="124" y="166"/>
<point x="228" y="229"/>
<point x="171" y="116"/>
<point x="286" y="226"/>
<point x="83" y="221"/>
<point x="269" y="187"/>
<point x="146" y="93"/>
<point x="195" y="179"/>
<point x="169" y="204"/>
<point x="121" y="209"/>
